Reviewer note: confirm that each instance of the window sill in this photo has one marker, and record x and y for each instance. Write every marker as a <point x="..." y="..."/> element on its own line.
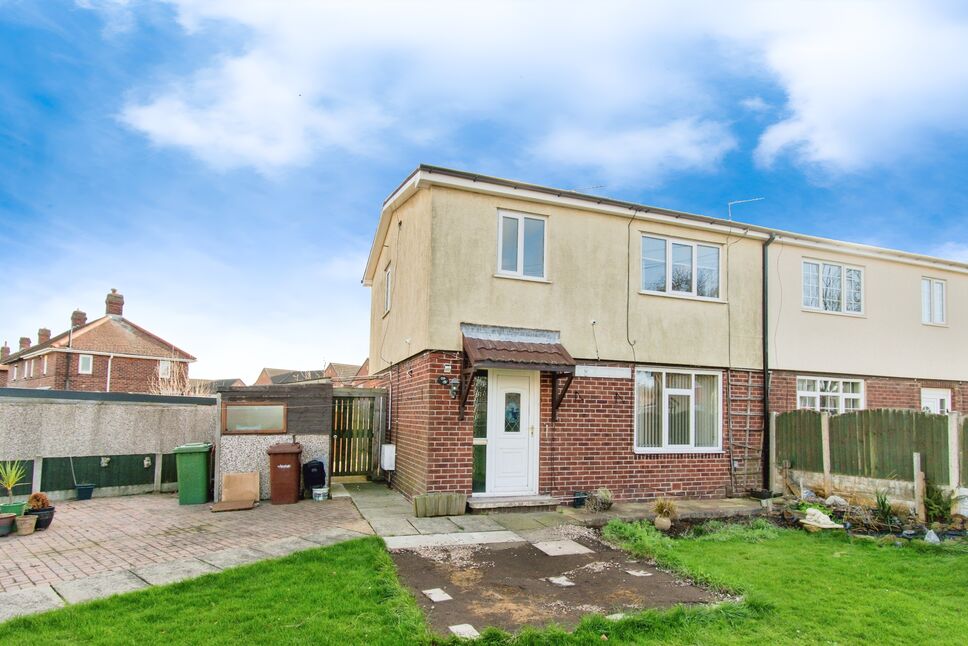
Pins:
<point x="686" y="297"/>
<point x="677" y="451"/>
<point x="852" y="315"/>
<point x="528" y="279"/>
<point x="940" y="325"/>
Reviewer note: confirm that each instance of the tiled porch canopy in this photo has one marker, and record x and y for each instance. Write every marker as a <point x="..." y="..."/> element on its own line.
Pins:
<point x="515" y="348"/>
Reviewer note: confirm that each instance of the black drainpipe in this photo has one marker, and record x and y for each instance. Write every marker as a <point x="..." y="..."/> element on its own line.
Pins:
<point x="765" y="460"/>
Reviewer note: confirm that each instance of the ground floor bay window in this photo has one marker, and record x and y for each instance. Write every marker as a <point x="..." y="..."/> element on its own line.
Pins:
<point x="677" y="411"/>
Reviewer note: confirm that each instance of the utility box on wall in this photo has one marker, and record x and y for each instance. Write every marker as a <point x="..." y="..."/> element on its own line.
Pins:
<point x="388" y="457"/>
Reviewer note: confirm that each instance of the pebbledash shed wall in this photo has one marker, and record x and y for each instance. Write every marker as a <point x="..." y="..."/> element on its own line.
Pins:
<point x="589" y="446"/>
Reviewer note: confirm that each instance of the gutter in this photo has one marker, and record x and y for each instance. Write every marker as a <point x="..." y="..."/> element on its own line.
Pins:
<point x="765" y="459"/>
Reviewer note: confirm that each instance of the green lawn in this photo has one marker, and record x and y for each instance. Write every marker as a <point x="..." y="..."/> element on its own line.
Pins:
<point x="798" y="588"/>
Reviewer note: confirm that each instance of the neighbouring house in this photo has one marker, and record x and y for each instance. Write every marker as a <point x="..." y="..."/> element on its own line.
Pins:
<point x="4" y="353"/>
<point x="283" y="377"/>
<point x="212" y="386"/>
<point x="108" y="354"/>
<point x="342" y="375"/>
<point x="543" y="342"/>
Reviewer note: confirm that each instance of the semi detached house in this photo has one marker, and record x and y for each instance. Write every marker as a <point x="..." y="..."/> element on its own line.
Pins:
<point x="538" y="341"/>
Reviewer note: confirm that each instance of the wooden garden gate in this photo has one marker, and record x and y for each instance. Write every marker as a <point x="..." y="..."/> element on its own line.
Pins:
<point x="359" y="419"/>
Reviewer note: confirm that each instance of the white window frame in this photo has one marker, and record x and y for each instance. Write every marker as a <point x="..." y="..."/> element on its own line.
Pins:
<point x="28" y="368"/>
<point x="387" y="288"/>
<point x="843" y="287"/>
<point x="164" y="374"/>
<point x="519" y="272"/>
<point x="678" y="448"/>
<point x="695" y="244"/>
<point x="817" y="394"/>
<point x="45" y="364"/>
<point x="90" y="364"/>
<point x="932" y="282"/>
<point x="16" y="369"/>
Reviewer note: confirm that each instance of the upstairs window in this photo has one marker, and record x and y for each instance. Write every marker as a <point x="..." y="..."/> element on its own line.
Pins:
<point x="831" y="287"/>
<point x="521" y="245"/>
<point x="387" y="288"/>
<point x="933" y="301"/>
<point x="164" y="369"/>
<point x="45" y="364"/>
<point x="85" y="364"/>
<point x="680" y="267"/>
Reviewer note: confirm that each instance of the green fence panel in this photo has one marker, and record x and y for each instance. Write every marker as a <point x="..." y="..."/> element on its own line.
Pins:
<point x="798" y="440"/>
<point x="169" y="468"/>
<point x="880" y="443"/>
<point x="120" y="471"/>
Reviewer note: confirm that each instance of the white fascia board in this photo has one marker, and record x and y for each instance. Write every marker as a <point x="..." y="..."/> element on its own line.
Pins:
<point x="399" y="196"/>
<point x="105" y="354"/>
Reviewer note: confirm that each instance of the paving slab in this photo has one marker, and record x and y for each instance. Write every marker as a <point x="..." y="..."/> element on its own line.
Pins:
<point x="332" y="535"/>
<point x="516" y="522"/>
<point x="393" y="527"/>
<point x="286" y="546"/>
<point x="476" y="523"/>
<point x="562" y="548"/>
<point x="466" y="631"/>
<point x="456" y="538"/>
<point x="28" y="601"/>
<point x="550" y="518"/>
<point x="233" y="557"/>
<point x="437" y="595"/>
<point x="98" y="586"/>
<point x="174" y="571"/>
<point x="434" y="525"/>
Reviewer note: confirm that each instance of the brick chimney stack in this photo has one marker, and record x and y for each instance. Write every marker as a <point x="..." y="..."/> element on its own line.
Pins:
<point x="78" y="318"/>
<point x="114" y="303"/>
<point x="24" y="342"/>
<point x="4" y="351"/>
<point x="43" y="335"/>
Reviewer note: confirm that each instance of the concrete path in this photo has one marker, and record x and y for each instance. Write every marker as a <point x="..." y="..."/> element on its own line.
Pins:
<point x="107" y="546"/>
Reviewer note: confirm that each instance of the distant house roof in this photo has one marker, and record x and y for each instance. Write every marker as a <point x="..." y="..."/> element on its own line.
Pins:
<point x="342" y="372"/>
<point x="213" y="385"/>
<point x="115" y="334"/>
<point x="298" y="376"/>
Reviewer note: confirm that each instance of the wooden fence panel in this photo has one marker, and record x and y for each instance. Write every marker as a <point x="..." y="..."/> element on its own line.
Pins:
<point x="355" y="421"/>
<point x="879" y="443"/>
<point x="798" y="440"/>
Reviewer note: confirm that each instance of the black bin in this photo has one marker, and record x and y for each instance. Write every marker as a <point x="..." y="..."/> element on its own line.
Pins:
<point x="314" y="475"/>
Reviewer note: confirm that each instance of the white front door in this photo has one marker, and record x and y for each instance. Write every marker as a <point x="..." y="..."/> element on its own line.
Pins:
<point x="936" y="400"/>
<point x="512" y="433"/>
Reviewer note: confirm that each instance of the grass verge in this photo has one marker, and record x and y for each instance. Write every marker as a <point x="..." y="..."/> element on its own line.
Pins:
<point x="344" y="594"/>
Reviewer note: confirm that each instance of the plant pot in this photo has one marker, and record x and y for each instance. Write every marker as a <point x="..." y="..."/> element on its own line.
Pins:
<point x="44" y="517"/>
<point x="84" y="491"/>
<point x="15" y="508"/>
<point x="662" y="523"/>
<point x="7" y="523"/>
<point x="26" y="524"/>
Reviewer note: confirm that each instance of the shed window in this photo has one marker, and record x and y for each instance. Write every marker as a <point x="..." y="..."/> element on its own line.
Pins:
<point x="255" y="418"/>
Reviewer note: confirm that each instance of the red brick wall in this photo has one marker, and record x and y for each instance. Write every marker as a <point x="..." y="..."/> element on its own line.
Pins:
<point x="879" y="392"/>
<point x="588" y="447"/>
<point x="127" y="374"/>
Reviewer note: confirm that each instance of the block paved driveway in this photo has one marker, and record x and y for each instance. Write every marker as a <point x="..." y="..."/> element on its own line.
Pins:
<point x="106" y="535"/>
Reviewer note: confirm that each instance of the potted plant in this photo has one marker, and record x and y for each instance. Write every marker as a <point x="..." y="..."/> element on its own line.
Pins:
<point x="665" y="510"/>
<point x="25" y="524"/>
<point x="39" y="505"/>
<point x="11" y="475"/>
<point x="7" y="523"/>
<point x="599" y="500"/>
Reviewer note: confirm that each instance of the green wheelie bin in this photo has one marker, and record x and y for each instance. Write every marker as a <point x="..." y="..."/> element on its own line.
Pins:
<point x="192" y="462"/>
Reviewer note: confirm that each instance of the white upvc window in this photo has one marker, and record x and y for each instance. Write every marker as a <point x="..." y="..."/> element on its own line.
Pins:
<point x="521" y="243"/>
<point x="29" y="368"/>
<point x="45" y="364"/>
<point x="164" y="369"/>
<point x="678" y="411"/>
<point x="16" y="370"/>
<point x="85" y="364"/>
<point x="833" y="287"/>
<point x="680" y="267"/>
<point x="933" y="301"/>
<point x="830" y="394"/>
<point x="387" y="287"/>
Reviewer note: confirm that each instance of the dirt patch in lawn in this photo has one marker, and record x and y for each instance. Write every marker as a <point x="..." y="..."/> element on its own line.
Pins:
<point x="507" y="586"/>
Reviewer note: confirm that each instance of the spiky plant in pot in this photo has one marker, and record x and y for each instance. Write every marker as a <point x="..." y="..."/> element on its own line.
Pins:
<point x="11" y="475"/>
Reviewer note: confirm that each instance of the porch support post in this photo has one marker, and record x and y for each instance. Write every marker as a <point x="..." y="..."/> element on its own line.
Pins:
<point x="466" y="379"/>
<point x="556" y="397"/>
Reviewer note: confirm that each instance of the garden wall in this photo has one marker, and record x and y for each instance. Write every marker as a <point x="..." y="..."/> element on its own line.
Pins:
<point x="121" y="442"/>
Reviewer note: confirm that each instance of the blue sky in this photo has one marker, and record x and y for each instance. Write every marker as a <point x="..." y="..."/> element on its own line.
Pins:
<point x="223" y="163"/>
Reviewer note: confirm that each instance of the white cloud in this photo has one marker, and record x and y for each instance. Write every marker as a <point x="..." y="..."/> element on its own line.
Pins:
<point x="951" y="251"/>
<point x="646" y="154"/>
<point x="866" y="83"/>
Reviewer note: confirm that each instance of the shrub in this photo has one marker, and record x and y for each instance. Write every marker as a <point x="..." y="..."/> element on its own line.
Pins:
<point x="11" y="475"/>
<point x="937" y="503"/>
<point x="666" y="508"/>
<point x="803" y="506"/>
<point x="600" y="500"/>
<point x="38" y="500"/>
<point x="883" y="509"/>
